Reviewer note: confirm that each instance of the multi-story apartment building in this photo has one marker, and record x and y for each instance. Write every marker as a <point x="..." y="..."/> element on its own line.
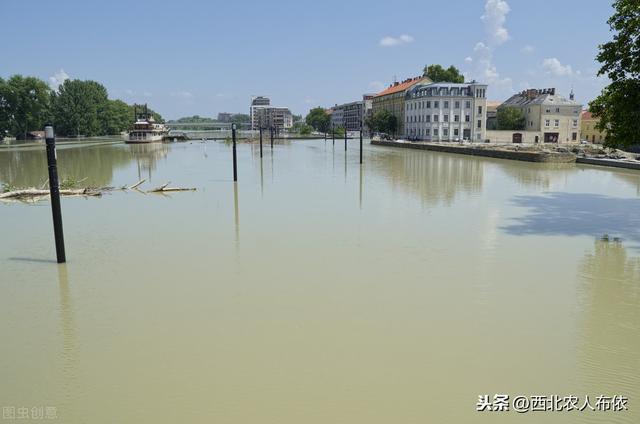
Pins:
<point x="337" y="117"/>
<point x="225" y="116"/>
<point x="556" y="118"/>
<point x="588" y="128"/>
<point x="266" y="116"/>
<point x="446" y="111"/>
<point x="272" y="116"/>
<point x="351" y="115"/>
<point x="393" y="98"/>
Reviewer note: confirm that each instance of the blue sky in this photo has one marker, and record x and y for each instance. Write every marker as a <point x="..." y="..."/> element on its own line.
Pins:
<point x="203" y="57"/>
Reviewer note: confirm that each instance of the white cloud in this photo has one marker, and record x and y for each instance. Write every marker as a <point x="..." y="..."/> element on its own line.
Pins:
<point x="147" y="94"/>
<point x="554" y="67"/>
<point x="494" y="18"/>
<point x="376" y="85"/>
<point x="481" y="63"/>
<point x="57" y="79"/>
<point x="389" y="41"/>
<point x="527" y="49"/>
<point x="185" y="95"/>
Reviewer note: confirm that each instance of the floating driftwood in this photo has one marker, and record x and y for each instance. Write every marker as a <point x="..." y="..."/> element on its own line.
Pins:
<point x="34" y="194"/>
<point x="165" y="188"/>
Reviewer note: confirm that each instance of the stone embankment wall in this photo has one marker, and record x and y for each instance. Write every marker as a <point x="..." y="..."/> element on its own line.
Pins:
<point x="492" y="152"/>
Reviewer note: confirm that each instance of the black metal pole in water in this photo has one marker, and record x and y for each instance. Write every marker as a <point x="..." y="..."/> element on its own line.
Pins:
<point x="345" y="138"/>
<point x="333" y="134"/>
<point x="54" y="189"/>
<point x="271" y="137"/>
<point x="360" y="143"/>
<point x="235" y="159"/>
<point x="260" y="141"/>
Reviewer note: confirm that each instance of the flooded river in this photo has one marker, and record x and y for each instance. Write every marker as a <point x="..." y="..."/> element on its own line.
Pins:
<point x="316" y="290"/>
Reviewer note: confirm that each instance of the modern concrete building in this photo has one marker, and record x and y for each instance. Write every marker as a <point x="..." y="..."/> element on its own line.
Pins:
<point x="446" y="111"/>
<point x="266" y="116"/>
<point x="393" y="98"/>
<point x="337" y="117"/>
<point x="555" y="118"/>
<point x="351" y="115"/>
<point x="588" y="128"/>
<point x="225" y="116"/>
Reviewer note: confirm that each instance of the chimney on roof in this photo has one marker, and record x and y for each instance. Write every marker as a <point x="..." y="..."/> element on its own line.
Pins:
<point x="552" y="91"/>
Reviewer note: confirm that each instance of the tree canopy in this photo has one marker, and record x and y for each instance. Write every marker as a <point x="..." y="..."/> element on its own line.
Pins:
<point x="382" y="121"/>
<point x="240" y="118"/>
<point x="511" y="119"/>
<point x="618" y="106"/>
<point x="437" y="73"/>
<point x="319" y="119"/>
<point x="76" y="108"/>
<point x="24" y="105"/>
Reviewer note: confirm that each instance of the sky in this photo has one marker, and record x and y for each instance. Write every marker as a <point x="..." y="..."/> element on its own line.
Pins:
<point x="203" y="57"/>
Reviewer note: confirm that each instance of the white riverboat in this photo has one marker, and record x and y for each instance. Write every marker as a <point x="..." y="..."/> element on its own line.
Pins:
<point x="145" y="129"/>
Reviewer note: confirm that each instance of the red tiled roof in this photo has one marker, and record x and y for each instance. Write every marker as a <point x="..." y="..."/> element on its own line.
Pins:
<point x="587" y="115"/>
<point x="398" y="87"/>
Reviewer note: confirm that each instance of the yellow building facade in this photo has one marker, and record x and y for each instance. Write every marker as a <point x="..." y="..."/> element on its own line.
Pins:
<point x="588" y="129"/>
<point x="393" y="99"/>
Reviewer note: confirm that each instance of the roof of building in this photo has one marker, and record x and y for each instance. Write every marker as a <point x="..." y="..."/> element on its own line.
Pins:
<point x="438" y="85"/>
<point x="586" y="115"/>
<point x="493" y="104"/>
<point x="401" y="86"/>
<point x="545" y="96"/>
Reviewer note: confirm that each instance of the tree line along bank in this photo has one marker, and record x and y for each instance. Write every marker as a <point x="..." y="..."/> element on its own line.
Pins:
<point x="75" y="108"/>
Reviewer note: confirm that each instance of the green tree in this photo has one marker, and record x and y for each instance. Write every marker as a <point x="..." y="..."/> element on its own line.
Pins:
<point x="437" y="73"/>
<point x="319" y="119"/>
<point x="618" y="106"/>
<point x="510" y="119"/>
<point x="77" y="106"/>
<point x="382" y="121"/>
<point x="115" y="117"/>
<point x="24" y="105"/>
<point x="240" y="118"/>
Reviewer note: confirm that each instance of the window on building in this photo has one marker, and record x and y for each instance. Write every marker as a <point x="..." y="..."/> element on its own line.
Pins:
<point x="467" y="104"/>
<point x="436" y="105"/>
<point x="557" y="110"/>
<point x="436" y="118"/>
<point x="467" y="118"/>
<point x="574" y="136"/>
<point x="446" y="105"/>
<point x="427" y="131"/>
<point x="547" y="123"/>
<point x="479" y="110"/>
<point x="445" y="132"/>
<point x="557" y="123"/>
<point x="456" y="132"/>
<point x="428" y="118"/>
<point x="446" y="118"/>
<point x="456" y="118"/>
<point x="429" y="105"/>
<point x="575" y="123"/>
<point x="435" y="132"/>
<point x="457" y="105"/>
<point x="479" y="123"/>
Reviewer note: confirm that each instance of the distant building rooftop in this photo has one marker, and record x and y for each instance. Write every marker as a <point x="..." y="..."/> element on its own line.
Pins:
<point x="401" y="86"/>
<point x="545" y="96"/>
